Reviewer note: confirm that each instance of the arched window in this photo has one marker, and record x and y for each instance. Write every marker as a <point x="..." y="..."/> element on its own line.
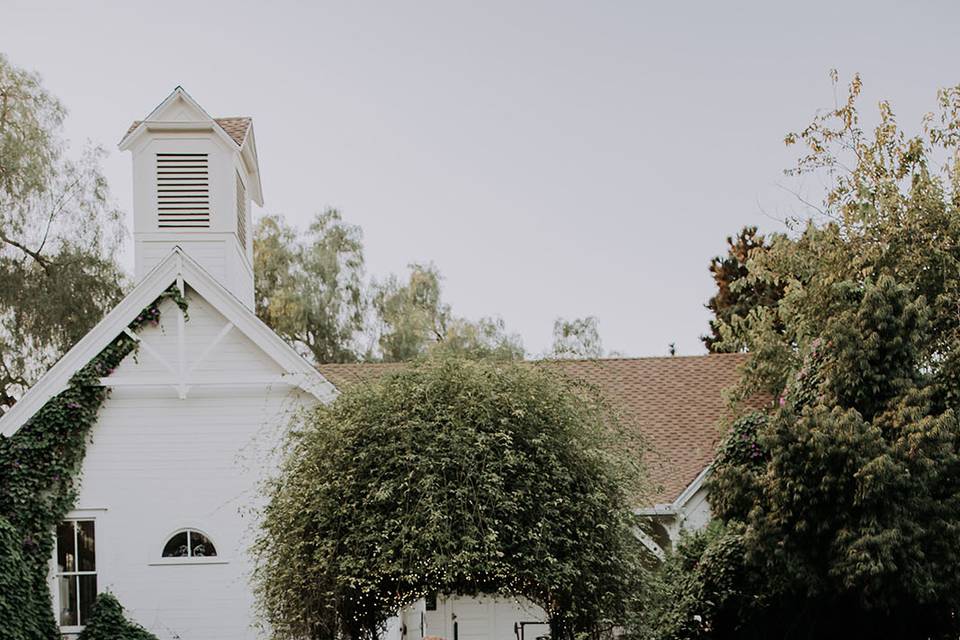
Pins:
<point x="189" y="543"/>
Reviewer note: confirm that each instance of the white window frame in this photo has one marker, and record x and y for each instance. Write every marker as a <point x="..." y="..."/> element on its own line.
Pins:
<point x="159" y="560"/>
<point x="57" y="574"/>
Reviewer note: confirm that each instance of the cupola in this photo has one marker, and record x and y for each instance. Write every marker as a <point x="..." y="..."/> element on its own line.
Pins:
<point x="194" y="178"/>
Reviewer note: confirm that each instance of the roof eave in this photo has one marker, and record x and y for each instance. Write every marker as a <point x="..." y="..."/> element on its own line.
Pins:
<point x="249" y="154"/>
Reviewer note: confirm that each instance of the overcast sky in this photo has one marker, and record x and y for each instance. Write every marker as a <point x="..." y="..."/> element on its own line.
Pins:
<point x="552" y="158"/>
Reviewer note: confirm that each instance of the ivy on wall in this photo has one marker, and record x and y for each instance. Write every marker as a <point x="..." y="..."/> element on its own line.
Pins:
<point x="39" y="468"/>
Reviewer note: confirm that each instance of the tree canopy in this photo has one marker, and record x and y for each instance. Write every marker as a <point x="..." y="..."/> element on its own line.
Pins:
<point x="736" y="294"/>
<point x="414" y="321"/>
<point x="310" y="289"/>
<point x="451" y="476"/>
<point x="59" y="233"/>
<point x="577" y="338"/>
<point x="841" y="500"/>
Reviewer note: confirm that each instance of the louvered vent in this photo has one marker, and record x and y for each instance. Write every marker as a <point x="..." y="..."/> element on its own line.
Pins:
<point x="183" y="190"/>
<point x="241" y="212"/>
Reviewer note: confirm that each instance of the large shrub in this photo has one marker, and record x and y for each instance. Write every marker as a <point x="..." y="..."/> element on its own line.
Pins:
<point x="107" y="622"/>
<point x="453" y="477"/>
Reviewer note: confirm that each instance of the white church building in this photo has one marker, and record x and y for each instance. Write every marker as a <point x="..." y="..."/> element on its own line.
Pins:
<point x="170" y="485"/>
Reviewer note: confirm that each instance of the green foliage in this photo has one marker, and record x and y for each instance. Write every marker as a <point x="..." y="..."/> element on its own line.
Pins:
<point x="451" y="476"/>
<point x="310" y="291"/>
<point x="741" y="460"/>
<point x="848" y="515"/>
<point x="703" y="590"/>
<point x="107" y="622"/>
<point x="414" y="321"/>
<point x="25" y="608"/>
<point x="486" y="338"/>
<point x="412" y="315"/>
<point x="577" y="338"/>
<point x="38" y="476"/>
<point x="736" y="295"/>
<point x="59" y="234"/>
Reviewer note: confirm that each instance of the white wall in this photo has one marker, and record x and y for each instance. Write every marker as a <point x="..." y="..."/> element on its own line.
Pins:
<point x="480" y="618"/>
<point x="157" y="464"/>
<point x="216" y="248"/>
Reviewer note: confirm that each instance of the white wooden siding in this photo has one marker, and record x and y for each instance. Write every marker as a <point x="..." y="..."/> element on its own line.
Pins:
<point x="158" y="463"/>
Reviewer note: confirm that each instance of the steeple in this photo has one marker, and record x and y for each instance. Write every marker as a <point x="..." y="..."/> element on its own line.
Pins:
<point x="194" y="178"/>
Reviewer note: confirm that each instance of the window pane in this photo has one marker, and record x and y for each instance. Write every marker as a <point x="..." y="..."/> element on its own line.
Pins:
<point x="68" y="600"/>
<point x="88" y="593"/>
<point x="177" y="546"/>
<point x="85" y="542"/>
<point x="66" y="554"/>
<point x="201" y="545"/>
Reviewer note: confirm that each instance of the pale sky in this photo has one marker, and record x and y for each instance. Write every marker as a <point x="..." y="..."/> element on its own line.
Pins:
<point x="552" y="158"/>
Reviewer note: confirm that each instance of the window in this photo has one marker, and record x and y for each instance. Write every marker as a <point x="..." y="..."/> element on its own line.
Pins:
<point x="189" y="543"/>
<point x="76" y="571"/>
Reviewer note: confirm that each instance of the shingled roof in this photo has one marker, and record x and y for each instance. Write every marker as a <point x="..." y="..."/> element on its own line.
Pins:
<point x="235" y="127"/>
<point x="676" y="404"/>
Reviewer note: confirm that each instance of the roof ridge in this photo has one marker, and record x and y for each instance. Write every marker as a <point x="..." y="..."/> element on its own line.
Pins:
<point x="702" y="356"/>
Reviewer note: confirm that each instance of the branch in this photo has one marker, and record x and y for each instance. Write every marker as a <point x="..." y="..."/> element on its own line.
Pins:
<point x="27" y="250"/>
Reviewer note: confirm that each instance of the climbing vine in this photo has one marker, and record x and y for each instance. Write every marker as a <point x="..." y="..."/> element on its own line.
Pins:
<point x="39" y="467"/>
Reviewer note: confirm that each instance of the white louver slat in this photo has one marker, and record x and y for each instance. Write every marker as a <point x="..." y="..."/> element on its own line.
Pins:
<point x="183" y="190"/>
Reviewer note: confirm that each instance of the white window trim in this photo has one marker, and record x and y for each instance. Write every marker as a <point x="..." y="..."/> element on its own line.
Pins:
<point x="157" y="560"/>
<point x="74" y="516"/>
<point x="162" y="562"/>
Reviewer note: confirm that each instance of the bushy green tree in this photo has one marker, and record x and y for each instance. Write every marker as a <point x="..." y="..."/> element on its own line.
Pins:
<point x="414" y="321"/>
<point x="310" y="290"/>
<point x="411" y="314"/>
<point x="59" y="235"/>
<point x="844" y="496"/>
<point x="577" y="338"/>
<point x="451" y="476"/>
<point x="736" y="294"/>
<point x="485" y="338"/>
<point x="108" y="622"/>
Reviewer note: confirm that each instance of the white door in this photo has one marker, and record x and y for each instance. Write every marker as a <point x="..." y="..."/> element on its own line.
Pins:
<point x="483" y="618"/>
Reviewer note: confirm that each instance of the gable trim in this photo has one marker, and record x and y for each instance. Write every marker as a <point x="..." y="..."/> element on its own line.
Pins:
<point x="208" y="124"/>
<point x="178" y="268"/>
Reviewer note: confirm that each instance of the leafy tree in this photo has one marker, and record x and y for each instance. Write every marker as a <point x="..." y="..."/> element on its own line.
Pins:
<point x="845" y="495"/>
<point x="451" y="476"/>
<point x="486" y="338"/>
<point x="577" y="338"/>
<point x="412" y="315"/>
<point x="311" y="291"/>
<point x="414" y="321"/>
<point x="59" y="234"/>
<point x="736" y="293"/>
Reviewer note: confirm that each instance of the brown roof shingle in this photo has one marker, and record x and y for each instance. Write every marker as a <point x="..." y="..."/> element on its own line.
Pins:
<point x="235" y="127"/>
<point x="676" y="404"/>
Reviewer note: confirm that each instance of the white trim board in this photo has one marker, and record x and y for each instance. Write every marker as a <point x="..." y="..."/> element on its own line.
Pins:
<point x="176" y="267"/>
